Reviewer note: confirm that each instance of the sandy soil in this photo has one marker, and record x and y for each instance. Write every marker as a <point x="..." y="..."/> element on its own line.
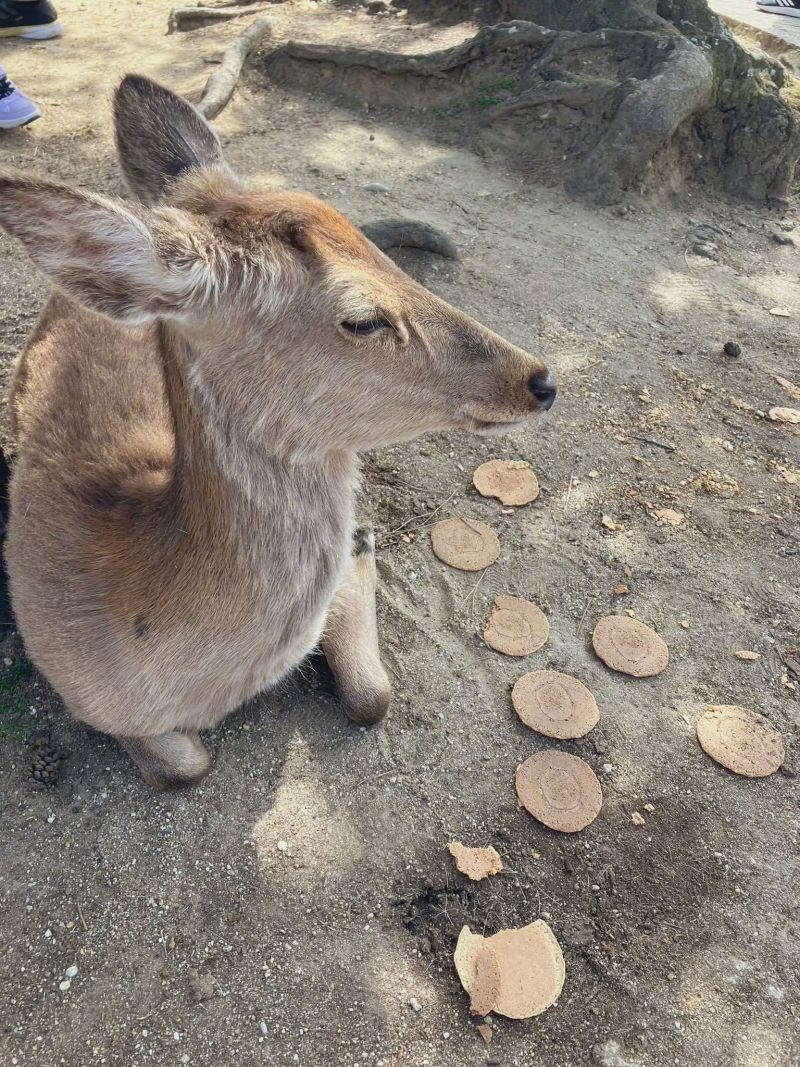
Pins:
<point x="196" y="939"/>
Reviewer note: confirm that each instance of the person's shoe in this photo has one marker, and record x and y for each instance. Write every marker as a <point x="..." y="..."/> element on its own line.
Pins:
<point x="779" y="7"/>
<point x="35" y="21"/>
<point x="15" y="107"/>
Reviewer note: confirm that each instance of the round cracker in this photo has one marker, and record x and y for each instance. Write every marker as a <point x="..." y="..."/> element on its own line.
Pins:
<point x="466" y="544"/>
<point x="560" y="790"/>
<point x="532" y="970"/>
<point x="555" y="704"/>
<point x="516" y="627"/>
<point x="511" y="481"/>
<point x="478" y="970"/>
<point x="627" y="645"/>
<point x="741" y="740"/>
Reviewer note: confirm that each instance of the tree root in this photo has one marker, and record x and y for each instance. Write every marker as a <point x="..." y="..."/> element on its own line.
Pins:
<point x="410" y="233"/>
<point x="220" y="86"/>
<point x="190" y="18"/>
<point x="627" y="96"/>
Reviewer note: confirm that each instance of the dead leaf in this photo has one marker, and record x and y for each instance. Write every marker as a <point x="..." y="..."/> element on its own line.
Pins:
<point x="475" y="863"/>
<point x="716" y="483"/>
<point x="610" y="524"/>
<point x="790" y="415"/>
<point x="751" y="656"/>
<point x="788" y="387"/>
<point x="668" y="517"/>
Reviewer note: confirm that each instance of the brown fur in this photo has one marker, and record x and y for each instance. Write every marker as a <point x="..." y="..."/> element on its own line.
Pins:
<point x="188" y="412"/>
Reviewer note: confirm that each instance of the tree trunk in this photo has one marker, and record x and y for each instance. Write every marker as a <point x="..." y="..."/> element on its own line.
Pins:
<point x="601" y="96"/>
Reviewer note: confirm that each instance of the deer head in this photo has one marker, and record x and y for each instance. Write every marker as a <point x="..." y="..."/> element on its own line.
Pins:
<point x="295" y="329"/>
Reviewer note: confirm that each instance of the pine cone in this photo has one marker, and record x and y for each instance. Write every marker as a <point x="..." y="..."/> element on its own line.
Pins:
<point x="47" y="760"/>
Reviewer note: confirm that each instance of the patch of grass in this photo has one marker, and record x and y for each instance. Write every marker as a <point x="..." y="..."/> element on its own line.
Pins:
<point x="15" y="720"/>
<point x="490" y="94"/>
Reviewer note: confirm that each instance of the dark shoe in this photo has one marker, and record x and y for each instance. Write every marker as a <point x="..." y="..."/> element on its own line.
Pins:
<point x="34" y="21"/>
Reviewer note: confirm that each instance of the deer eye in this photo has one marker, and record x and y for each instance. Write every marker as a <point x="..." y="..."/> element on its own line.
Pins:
<point x="363" y="327"/>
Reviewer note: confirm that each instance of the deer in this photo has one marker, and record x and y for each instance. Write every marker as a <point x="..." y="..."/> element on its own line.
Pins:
<point x="188" y="413"/>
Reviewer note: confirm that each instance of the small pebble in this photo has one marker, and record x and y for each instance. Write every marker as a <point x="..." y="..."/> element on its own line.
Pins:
<point x="732" y="349"/>
<point x="283" y="846"/>
<point x="414" y="1004"/>
<point x="263" y="1028"/>
<point x="377" y="187"/>
<point x="782" y="239"/>
<point x="64" y="986"/>
<point x="71" y="971"/>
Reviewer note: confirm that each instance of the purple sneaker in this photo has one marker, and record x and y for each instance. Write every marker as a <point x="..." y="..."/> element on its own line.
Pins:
<point x="15" y="107"/>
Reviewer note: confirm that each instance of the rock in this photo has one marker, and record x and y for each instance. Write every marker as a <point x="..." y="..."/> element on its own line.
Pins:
<point x="786" y="224"/>
<point x="71" y="971"/>
<point x="414" y="1004"/>
<point x="64" y="986"/>
<point x="732" y="349"/>
<point x="782" y="238"/>
<point x="611" y="1054"/>
<point x="201" y="986"/>
<point x="377" y="7"/>
<point x="376" y="187"/>
<point x="706" y="249"/>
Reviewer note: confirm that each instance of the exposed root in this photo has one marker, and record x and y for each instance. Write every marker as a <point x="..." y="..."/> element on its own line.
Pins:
<point x="601" y="108"/>
<point x="410" y="233"/>
<point x="220" y="86"/>
<point x="190" y="18"/>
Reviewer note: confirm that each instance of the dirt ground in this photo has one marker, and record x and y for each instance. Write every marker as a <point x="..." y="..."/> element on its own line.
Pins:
<point x="197" y="940"/>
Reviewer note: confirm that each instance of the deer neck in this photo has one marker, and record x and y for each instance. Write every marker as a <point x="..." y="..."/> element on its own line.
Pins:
<point x="234" y="495"/>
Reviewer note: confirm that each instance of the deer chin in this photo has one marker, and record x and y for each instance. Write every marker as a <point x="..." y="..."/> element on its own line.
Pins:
<point x="492" y="427"/>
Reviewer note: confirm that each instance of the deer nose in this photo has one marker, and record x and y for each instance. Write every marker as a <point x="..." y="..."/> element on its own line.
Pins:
<point x="543" y="388"/>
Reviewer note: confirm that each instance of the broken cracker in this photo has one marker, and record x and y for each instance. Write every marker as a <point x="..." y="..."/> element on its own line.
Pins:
<point x="516" y="627"/>
<point x="486" y="1032"/>
<point x="627" y="645"/>
<point x="531" y="969"/>
<point x="560" y="790"/>
<point x="478" y="970"/>
<point x="741" y="740"/>
<point x="466" y="544"/>
<point x="510" y="481"/>
<point x="475" y="863"/>
<point x="555" y="704"/>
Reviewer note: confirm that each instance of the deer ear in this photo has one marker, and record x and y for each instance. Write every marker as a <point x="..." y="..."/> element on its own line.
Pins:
<point x="159" y="137"/>
<point x="130" y="267"/>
